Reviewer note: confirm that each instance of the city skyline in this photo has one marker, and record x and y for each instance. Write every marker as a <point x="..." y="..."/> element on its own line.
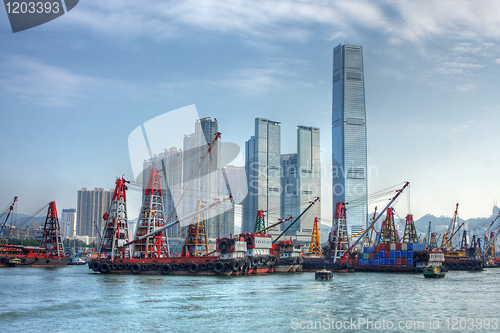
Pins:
<point x="73" y="89"/>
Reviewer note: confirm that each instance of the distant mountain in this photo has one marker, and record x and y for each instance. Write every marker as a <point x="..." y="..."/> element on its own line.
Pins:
<point x="23" y="220"/>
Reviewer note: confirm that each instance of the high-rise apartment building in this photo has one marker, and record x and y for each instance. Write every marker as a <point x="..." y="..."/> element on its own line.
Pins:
<point x="91" y="207"/>
<point x="263" y="167"/>
<point x="68" y="222"/>
<point x="349" y="161"/>
<point x="186" y="184"/>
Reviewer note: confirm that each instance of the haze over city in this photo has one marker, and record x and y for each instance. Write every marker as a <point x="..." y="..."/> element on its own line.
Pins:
<point x="69" y="103"/>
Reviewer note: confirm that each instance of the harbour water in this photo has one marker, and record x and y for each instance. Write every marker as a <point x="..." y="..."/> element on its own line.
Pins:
<point x="74" y="299"/>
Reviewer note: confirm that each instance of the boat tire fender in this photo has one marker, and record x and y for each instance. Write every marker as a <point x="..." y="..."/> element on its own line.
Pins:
<point x="95" y="266"/>
<point x="223" y="245"/>
<point x="203" y="266"/>
<point x="104" y="268"/>
<point x="175" y="267"/>
<point x="210" y="265"/>
<point x="154" y="266"/>
<point x="194" y="268"/>
<point x="166" y="269"/>
<point x="255" y="261"/>
<point x="454" y="265"/>
<point x="144" y="267"/>
<point x="136" y="268"/>
<point x="235" y="266"/>
<point x="120" y="267"/>
<point x="127" y="266"/>
<point x="218" y="267"/>
<point x="183" y="265"/>
<point x="114" y="266"/>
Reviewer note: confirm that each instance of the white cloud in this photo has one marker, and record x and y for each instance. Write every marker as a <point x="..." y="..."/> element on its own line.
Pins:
<point x="34" y="82"/>
<point x="291" y="19"/>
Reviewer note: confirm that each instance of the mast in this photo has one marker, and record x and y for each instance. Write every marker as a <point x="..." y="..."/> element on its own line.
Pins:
<point x="152" y="217"/>
<point x="51" y="238"/>
<point x="115" y="232"/>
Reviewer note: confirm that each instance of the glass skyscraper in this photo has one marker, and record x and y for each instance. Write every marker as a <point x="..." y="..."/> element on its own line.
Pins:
<point x="263" y="167"/>
<point x="301" y="183"/>
<point x="349" y="166"/>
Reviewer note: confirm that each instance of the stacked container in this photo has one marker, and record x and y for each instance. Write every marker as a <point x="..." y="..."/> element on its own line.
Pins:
<point x="390" y="254"/>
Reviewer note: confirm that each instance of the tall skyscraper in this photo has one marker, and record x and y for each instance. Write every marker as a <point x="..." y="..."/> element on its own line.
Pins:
<point x="301" y="183"/>
<point x="349" y="133"/>
<point x="91" y="207"/>
<point x="263" y="167"/>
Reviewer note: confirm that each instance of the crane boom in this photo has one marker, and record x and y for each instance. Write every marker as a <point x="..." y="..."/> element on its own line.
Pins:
<point x="275" y="224"/>
<point x="375" y="220"/>
<point x="11" y="208"/>
<point x="451" y="229"/>
<point x="491" y="241"/>
<point x="305" y="210"/>
<point x="217" y="202"/>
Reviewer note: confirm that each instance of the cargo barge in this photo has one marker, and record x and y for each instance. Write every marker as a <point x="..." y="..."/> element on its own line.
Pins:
<point x="49" y="254"/>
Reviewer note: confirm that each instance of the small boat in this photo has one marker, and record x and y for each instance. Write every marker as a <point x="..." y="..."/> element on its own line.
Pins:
<point x="323" y="275"/>
<point x="433" y="272"/>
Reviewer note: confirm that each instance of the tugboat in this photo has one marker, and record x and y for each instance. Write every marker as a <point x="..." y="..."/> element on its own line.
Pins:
<point x="433" y="272"/>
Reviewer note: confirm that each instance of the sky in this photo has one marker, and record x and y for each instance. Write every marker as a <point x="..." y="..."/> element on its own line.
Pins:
<point x="73" y="89"/>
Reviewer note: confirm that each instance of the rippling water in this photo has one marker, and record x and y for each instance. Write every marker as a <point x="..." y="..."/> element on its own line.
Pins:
<point x="74" y="299"/>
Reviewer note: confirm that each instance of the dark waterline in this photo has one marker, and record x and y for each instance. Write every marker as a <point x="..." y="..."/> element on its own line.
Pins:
<point x="73" y="299"/>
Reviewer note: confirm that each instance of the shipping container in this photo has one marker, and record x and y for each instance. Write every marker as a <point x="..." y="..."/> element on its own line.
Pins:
<point x="409" y="254"/>
<point x="404" y="246"/>
<point x="376" y="248"/>
<point x="365" y="249"/>
<point x="404" y="254"/>
<point x="398" y="261"/>
<point x="398" y="254"/>
<point x="371" y="256"/>
<point x="382" y="254"/>
<point x="360" y="262"/>
<point x="404" y="261"/>
<point x="376" y="256"/>
<point x="370" y="262"/>
<point x="398" y="246"/>
<point x="410" y="247"/>
<point x="393" y="261"/>
<point x="419" y="247"/>
<point x="366" y="256"/>
<point x="376" y="263"/>
<point x="392" y="246"/>
<point x="410" y="261"/>
<point x="393" y="254"/>
<point x="382" y="261"/>
<point x="387" y="254"/>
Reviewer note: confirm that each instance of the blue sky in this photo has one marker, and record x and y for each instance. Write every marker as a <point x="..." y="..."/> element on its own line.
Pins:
<point x="72" y="90"/>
